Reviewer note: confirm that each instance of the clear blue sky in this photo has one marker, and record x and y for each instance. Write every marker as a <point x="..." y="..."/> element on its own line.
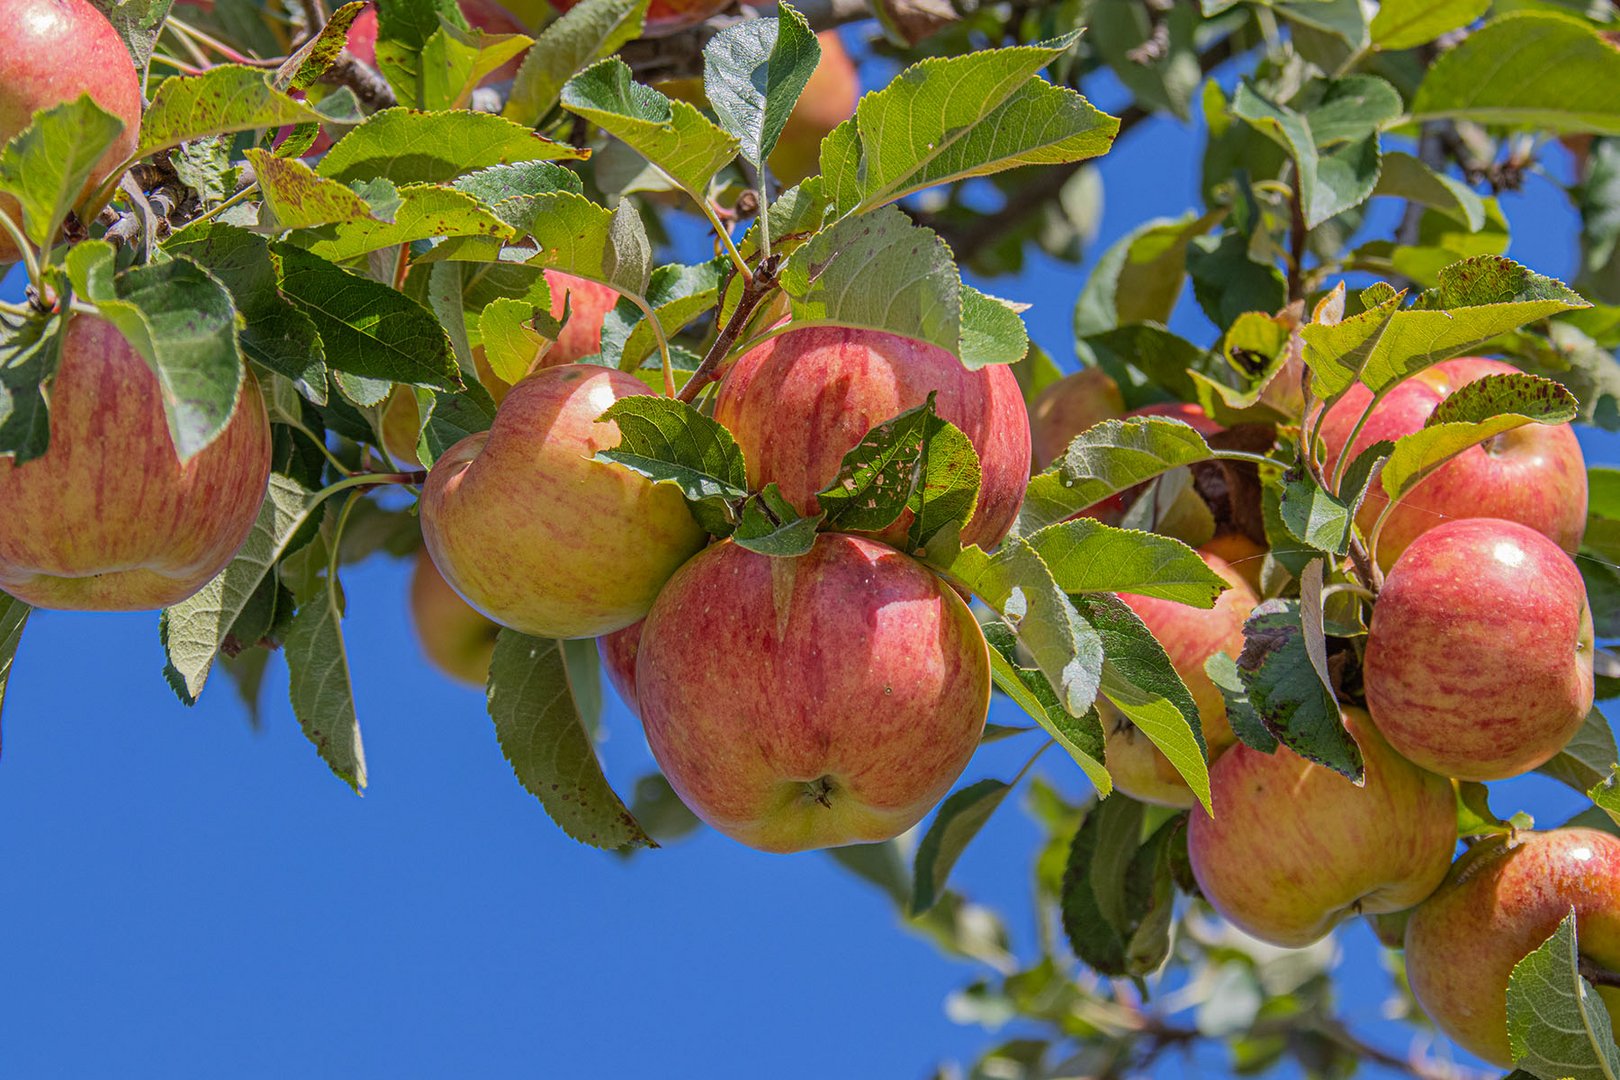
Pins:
<point x="182" y="896"/>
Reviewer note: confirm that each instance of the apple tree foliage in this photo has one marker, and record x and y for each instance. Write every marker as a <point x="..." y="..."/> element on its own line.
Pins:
<point x="424" y="230"/>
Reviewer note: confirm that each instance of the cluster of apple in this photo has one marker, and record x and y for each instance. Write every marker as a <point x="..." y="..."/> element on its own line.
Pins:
<point x="1478" y="666"/>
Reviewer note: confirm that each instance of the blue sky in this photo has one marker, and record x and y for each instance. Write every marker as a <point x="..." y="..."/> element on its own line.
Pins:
<point x="184" y="896"/>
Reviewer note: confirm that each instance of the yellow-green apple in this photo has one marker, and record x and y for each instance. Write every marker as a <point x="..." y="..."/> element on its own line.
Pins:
<point x="588" y="304"/>
<point x="828" y="100"/>
<point x="1190" y="636"/>
<point x="667" y="16"/>
<point x="56" y="51"/>
<point x="1479" y="655"/>
<point x="1500" y="902"/>
<point x="1534" y="474"/>
<point x="811" y="702"/>
<point x="799" y="402"/>
<point x="1242" y="554"/>
<point x="456" y="639"/>
<point x="1295" y="847"/>
<point x="108" y="519"/>
<point x="535" y="533"/>
<point x="618" y="652"/>
<point x="1068" y="407"/>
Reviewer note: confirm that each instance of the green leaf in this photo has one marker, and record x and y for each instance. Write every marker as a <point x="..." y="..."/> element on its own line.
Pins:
<point x="670" y="441"/>
<point x="512" y="344"/>
<point x="876" y="477"/>
<point x="297" y="198"/>
<point x="1138" y="679"/>
<point x="367" y="328"/>
<point x="1531" y="69"/>
<point x="47" y="164"/>
<point x="1475" y="817"/>
<point x="660" y="811"/>
<point x="1284" y="669"/>
<point x="1557" y="1024"/>
<point x="13" y="617"/>
<point x="1330" y="181"/>
<point x="947" y="119"/>
<point x="675" y="137"/>
<point x="1587" y="758"/>
<point x="1105" y="459"/>
<point x="449" y="418"/>
<point x="1246" y="724"/>
<point x="498" y="183"/>
<point x="182" y="321"/>
<point x="1139" y="278"/>
<point x="1227" y="282"/>
<point x="1352" y="108"/>
<point x="1474" y="413"/>
<point x="321" y="689"/>
<point x="30" y="351"/>
<point x="1405" y="24"/>
<point x="304" y="68"/>
<point x="442" y="145"/>
<point x="753" y="74"/>
<point x="193" y="630"/>
<point x="945" y="488"/>
<point x="1407" y="177"/>
<point x="545" y="741"/>
<point x="1087" y="556"/>
<point x="456" y="60"/>
<point x="1324" y="521"/>
<point x="223" y="99"/>
<point x="1605" y="796"/>
<point x="678" y="295"/>
<point x="587" y="240"/>
<point x="1118" y="893"/>
<point x="958" y="821"/>
<point x="426" y="210"/>
<point x="586" y="33"/>
<point x="770" y="526"/>
<point x="993" y="330"/>
<point x="1154" y="53"/>
<point x="1080" y="736"/>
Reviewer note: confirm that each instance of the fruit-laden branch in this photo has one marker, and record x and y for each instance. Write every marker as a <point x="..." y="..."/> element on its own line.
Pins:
<point x="755" y="290"/>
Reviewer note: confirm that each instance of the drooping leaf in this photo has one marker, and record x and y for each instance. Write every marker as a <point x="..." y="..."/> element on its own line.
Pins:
<point x="1081" y="736"/>
<point x="1557" y="1024"/>
<point x="587" y="32"/>
<point x="321" y="688"/>
<point x="1106" y="459"/>
<point x="1086" y="556"/>
<point x="957" y="822"/>
<point x="670" y="441"/>
<point x="1118" y="888"/>
<point x="46" y="165"/>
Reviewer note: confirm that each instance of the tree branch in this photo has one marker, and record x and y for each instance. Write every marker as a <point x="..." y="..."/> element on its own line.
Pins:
<point x="754" y="291"/>
<point x="368" y="85"/>
<point x="1598" y="975"/>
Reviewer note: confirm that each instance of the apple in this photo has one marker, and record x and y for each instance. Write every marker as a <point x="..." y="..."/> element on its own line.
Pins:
<point x="800" y="401"/>
<point x="108" y="519"/>
<point x="1242" y="554"/>
<point x="618" y="652"/>
<point x="1294" y="847"/>
<point x="811" y="702"/>
<point x="534" y="533"/>
<point x="1068" y="407"/>
<point x="1501" y="901"/>
<point x="1534" y="475"/>
<point x="828" y="100"/>
<point x="1479" y="654"/>
<point x="456" y="639"/>
<point x="1190" y="636"/>
<point x="56" y="51"/>
<point x="666" y="17"/>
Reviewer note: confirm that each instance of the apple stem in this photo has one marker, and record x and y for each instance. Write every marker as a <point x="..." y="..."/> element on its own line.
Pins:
<point x="1598" y="975"/>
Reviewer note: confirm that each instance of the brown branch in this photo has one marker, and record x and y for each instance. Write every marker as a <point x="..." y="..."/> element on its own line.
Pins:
<point x="1298" y="234"/>
<point x="1598" y="975"/>
<point x="754" y="292"/>
<point x="368" y="85"/>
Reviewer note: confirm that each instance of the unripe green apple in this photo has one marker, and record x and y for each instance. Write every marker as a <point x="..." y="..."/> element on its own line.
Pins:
<point x="534" y="533"/>
<point x="1534" y="475"/>
<point x="799" y="402"/>
<point x="811" y="702"/>
<point x="1068" y="407"/>
<point x="618" y="652"/>
<point x="55" y="51"/>
<point x="1190" y="636"/>
<point x="1479" y="655"/>
<point x="1294" y="847"/>
<point x="455" y="638"/>
<point x="1500" y="902"/>
<point x="109" y="519"/>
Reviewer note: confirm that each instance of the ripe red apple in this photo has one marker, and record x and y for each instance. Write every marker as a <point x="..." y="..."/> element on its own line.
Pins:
<point x="618" y="652"/>
<point x="55" y="51"/>
<point x="109" y="519"/>
<point x="588" y="304"/>
<point x="1294" y="847"/>
<point x="534" y="533"/>
<point x="811" y="702"/>
<point x="1479" y="656"/>
<point x="828" y="100"/>
<point x="456" y="639"/>
<point x="799" y="402"/>
<point x="1500" y="902"/>
<point x="1190" y="636"/>
<point x="1534" y="475"/>
<point x="1068" y="407"/>
<point x="1243" y="555"/>
<point x="667" y="16"/>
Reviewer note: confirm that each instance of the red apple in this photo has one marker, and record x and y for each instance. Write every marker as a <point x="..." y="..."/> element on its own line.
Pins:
<point x="1534" y="475"/>
<point x="800" y="401"/>
<point x="1243" y="555"/>
<point x="1501" y="901"/>
<point x="828" y="100"/>
<point x="109" y="519"/>
<point x="55" y="51"/>
<point x="1068" y="407"/>
<point x="1294" y="848"/>
<point x="534" y="533"/>
<point x="667" y="16"/>
<point x="618" y="652"/>
<point x="456" y="639"/>
<point x="1190" y="636"/>
<point x="811" y="702"/>
<point x="588" y="304"/>
<point x="1479" y="656"/>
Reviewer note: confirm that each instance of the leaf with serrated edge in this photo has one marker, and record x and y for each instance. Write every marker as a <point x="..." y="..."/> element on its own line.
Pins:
<point x="411" y="147"/>
<point x="45" y="166"/>
<point x="223" y="99"/>
<point x="425" y="211"/>
<point x="1087" y="556"/>
<point x="545" y="742"/>
<point x="590" y="241"/>
<point x="1105" y="459"/>
<point x="770" y="526"/>
<point x="1585" y="760"/>
<point x="670" y="441"/>
<point x="958" y="821"/>
<point x="1557" y="1024"/>
<point x="320" y="685"/>
<point x="584" y="34"/>
<point x="753" y="74"/>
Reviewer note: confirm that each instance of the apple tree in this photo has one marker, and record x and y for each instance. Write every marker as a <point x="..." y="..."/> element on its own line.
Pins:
<point x="651" y="340"/>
